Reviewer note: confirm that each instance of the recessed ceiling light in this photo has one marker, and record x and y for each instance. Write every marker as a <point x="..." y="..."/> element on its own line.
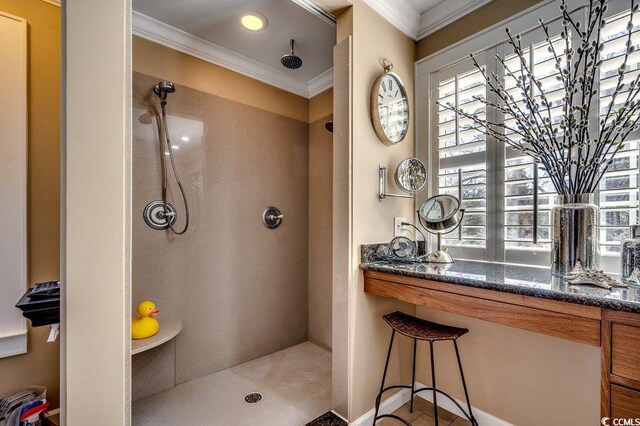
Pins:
<point x="254" y="21"/>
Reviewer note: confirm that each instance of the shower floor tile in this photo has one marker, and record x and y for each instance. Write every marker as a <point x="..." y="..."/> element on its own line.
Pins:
<point x="295" y="384"/>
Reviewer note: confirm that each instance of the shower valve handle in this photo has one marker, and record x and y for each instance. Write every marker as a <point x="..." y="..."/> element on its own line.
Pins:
<point x="274" y="217"/>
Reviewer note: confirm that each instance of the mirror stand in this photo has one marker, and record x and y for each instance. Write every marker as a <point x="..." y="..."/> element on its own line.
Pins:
<point x="382" y="179"/>
<point x="438" y="256"/>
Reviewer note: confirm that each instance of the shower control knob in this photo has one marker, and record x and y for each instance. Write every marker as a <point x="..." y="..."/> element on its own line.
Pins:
<point x="272" y="217"/>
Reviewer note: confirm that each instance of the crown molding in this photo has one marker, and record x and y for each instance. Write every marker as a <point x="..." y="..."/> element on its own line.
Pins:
<point x="317" y="10"/>
<point x="399" y="14"/>
<point x="444" y="14"/>
<point x="174" y="38"/>
<point x="321" y="83"/>
<point x="404" y="17"/>
<point x="54" y="2"/>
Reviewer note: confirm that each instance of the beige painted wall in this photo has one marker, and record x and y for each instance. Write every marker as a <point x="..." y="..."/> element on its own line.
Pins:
<point x="519" y="376"/>
<point x="321" y="105"/>
<point x="486" y="16"/>
<point x="152" y="59"/>
<point x="372" y="220"/>
<point x="525" y="378"/>
<point x="320" y="219"/>
<point x="41" y="364"/>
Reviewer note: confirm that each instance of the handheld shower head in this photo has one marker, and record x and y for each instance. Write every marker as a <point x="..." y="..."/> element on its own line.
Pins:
<point x="163" y="88"/>
<point x="290" y="60"/>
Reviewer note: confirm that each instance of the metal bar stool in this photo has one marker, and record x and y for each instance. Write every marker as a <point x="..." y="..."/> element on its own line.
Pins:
<point x="419" y="329"/>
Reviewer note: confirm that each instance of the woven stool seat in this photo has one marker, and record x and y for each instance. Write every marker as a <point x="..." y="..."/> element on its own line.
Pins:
<point x="420" y="329"/>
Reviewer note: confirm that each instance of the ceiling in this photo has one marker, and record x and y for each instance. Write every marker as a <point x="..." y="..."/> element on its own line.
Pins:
<point x="211" y="30"/>
<point x="218" y="24"/>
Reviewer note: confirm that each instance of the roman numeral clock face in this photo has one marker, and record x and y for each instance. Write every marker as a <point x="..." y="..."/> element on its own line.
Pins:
<point x="390" y="110"/>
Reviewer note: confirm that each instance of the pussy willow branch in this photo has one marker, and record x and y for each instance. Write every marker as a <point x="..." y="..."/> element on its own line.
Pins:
<point x="574" y="160"/>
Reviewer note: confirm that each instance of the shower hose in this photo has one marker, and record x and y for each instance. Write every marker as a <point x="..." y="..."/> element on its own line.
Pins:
<point x="165" y="177"/>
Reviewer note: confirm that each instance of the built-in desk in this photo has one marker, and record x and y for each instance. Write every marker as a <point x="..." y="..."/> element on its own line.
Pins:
<point x="531" y="299"/>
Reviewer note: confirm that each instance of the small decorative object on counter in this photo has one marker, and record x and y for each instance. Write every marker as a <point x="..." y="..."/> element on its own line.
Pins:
<point x="631" y="257"/>
<point x="593" y="277"/>
<point x="145" y="325"/>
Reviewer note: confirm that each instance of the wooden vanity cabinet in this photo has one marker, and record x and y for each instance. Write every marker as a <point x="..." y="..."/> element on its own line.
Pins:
<point x="620" y="388"/>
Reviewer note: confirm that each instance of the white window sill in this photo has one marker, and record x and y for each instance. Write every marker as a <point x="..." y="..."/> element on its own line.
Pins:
<point x="14" y="343"/>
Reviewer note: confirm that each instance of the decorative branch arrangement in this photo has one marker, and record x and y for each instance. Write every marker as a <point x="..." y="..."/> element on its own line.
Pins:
<point x="575" y="150"/>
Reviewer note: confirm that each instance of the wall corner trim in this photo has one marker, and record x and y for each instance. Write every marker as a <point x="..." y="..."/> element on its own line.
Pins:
<point x="174" y="38"/>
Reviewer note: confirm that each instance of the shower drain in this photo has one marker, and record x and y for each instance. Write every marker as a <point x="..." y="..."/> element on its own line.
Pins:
<point x="253" y="397"/>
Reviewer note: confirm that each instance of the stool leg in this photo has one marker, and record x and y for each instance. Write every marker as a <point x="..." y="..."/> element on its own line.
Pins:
<point x="464" y="384"/>
<point x="433" y="382"/>
<point x="384" y="375"/>
<point x="413" y="375"/>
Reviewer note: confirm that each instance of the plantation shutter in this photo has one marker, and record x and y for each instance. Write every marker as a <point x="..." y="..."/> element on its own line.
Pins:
<point x="518" y="179"/>
<point x="496" y="183"/>
<point x="618" y="189"/>
<point x="460" y="153"/>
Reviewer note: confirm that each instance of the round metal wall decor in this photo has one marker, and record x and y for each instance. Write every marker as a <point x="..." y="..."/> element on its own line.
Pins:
<point x="389" y="106"/>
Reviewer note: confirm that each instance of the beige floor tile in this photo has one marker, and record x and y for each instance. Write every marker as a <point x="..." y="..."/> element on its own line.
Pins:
<point x="460" y="421"/>
<point x="426" y="420"/>
<point x="295" y="384"/>
<point x="427" y="408"/>
<point x="404" y="413"/>
<point x="388" y="422"/>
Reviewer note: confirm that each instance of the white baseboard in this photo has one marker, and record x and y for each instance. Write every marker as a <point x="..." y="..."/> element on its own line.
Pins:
<point x="399" y="399"/>
<point x="387" y="406"/>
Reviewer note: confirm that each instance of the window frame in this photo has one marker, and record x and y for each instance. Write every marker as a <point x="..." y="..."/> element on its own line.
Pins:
<point x="13" y="249"/>
<point x="487" y="42"/>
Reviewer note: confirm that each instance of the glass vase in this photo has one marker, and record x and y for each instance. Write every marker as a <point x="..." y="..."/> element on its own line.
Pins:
<point x="630" y="249"/>
<point x="575" y="234"/>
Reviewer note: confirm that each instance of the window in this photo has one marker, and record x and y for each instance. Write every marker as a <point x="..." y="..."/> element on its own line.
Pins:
<point x="497" y="183"/>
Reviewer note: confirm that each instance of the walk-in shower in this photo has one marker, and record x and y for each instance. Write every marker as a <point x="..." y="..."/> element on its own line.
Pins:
<point x="250" y="280"/>
<point x="162" y="214"/>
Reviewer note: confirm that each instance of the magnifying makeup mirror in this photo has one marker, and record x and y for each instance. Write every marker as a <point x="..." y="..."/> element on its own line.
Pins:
<point x="440" y="215"/>
<point x="410" y="176"/>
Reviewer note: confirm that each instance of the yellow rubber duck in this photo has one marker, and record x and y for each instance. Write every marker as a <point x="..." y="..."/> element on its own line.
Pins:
<point x="145" y="325"/>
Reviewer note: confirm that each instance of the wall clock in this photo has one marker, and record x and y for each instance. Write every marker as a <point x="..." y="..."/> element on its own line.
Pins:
<point x="389" y="106"/>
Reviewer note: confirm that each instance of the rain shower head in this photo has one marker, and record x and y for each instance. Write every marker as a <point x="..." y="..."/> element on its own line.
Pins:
<point x="290" y="60"/>
<point x="163" y="88"/>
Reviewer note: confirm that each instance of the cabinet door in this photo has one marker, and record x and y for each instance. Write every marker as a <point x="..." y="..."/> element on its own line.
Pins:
<point x="625" y="344"/>
<point x="625" y="403"/>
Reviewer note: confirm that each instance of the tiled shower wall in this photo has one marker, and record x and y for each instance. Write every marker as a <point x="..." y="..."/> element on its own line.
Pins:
<point x="240" y="289"/>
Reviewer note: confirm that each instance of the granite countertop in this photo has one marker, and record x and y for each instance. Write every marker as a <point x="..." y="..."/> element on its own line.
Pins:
<point x="522" y="280"/>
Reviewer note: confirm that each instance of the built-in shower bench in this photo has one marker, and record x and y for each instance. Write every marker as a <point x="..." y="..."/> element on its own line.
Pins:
<point x="169" y="329"/>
